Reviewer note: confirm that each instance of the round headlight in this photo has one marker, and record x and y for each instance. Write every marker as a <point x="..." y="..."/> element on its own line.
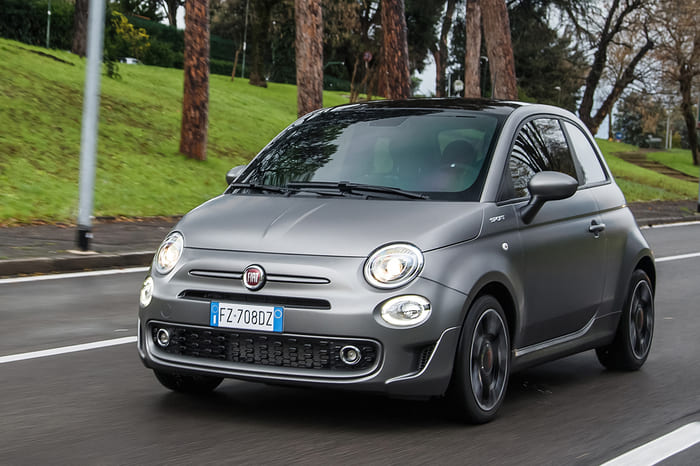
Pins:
<point x="406" y="311"/>
<point x="169" y="253"/>
<point x="393" y="265"/>
<point x="146" y="292"/>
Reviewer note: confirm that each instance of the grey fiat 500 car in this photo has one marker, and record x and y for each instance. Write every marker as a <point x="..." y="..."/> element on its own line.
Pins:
<point x="416" y="248"/>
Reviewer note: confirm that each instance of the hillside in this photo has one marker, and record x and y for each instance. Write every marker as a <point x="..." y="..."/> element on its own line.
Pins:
<point x="140" y="171"/>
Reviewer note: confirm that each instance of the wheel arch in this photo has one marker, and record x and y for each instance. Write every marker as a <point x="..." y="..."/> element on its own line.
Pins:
<point x="647" y="265"/>
<point x="504" y="296"/>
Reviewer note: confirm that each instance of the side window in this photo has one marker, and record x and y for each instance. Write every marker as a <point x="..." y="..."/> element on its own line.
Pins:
<point x="539" y="146"/>
<point x="590" y="164"/>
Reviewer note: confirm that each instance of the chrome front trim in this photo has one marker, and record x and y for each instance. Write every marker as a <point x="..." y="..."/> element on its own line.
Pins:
<point x="555" y="341"/>
<point x="270" y="277"/>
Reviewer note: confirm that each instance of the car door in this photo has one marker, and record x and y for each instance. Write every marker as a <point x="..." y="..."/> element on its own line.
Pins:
<point x="563" y="247"/>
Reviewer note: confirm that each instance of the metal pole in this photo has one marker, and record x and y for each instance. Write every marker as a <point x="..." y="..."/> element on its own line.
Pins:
<point x="245" y="36"/>
<point x="697" y="122"/>
<point x="91" y="107"/>
<point x="48" y="25"/>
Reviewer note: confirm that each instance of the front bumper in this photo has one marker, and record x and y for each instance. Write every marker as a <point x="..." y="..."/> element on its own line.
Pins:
<point x="328" y="306"/>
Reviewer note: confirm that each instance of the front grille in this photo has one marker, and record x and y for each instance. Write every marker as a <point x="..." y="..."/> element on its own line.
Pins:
<point x="276" y="350"/>
<point x="286" y="301"/>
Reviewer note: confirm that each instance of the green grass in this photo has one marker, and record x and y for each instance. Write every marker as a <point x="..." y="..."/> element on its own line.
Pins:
<point x="641" y="184"/>
<point x="139" y="169"/>
<point x="678" y="159"/>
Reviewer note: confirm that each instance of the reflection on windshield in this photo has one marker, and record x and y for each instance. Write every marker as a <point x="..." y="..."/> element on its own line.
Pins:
<point x="433" y="152"/>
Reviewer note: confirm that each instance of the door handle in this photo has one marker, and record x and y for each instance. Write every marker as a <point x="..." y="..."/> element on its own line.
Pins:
<point x="596" y="228"/>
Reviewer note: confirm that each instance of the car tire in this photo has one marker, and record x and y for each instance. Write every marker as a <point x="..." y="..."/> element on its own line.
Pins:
<point x="482" y="364"/>
<point x="190" y="384"/>
<point x="630" y="348"/>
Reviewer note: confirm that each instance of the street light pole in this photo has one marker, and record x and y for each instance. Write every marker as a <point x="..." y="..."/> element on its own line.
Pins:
<point x="91" y="107"/>
<point x="48" y="25"/>
<point x="245" y="35"/>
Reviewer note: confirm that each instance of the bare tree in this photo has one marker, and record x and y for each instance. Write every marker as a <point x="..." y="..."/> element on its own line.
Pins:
<point x="440" y="49"/>
<point x="80" y="18"/>
<point x="195" y="102"/>
<point x="396" y="77"/>
<point x="499" y="49"/>
<point x="679" y="53"/>
<point x="620" y="18"/>
<point x="170" y="7"/>
<point x="309" y="55"/>
<point x="472" y="56"/>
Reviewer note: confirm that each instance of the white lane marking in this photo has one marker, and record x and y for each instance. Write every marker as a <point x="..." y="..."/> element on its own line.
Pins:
<point x="663" y="447"/>
<point x="678" y="257"/>
<point x="59" y="276"/>
<point x="66" y="349"/>
<point x="670" y="225"/>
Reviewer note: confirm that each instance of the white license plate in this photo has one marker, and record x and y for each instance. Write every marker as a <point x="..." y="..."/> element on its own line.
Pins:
<point x="246" y="317"/>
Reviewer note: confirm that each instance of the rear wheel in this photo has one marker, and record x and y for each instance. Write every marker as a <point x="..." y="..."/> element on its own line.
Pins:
<point x="630" y="348"/>
<point x="483" y="362"/>
<point x="192" y="384"/>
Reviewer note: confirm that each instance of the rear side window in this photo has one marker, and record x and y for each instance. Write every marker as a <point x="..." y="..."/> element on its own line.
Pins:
<point x="539" y="146"/>
<point x="587" y="157"/>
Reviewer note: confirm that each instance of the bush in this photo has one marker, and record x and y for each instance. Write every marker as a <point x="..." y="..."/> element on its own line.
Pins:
<point x="220" y="67"/>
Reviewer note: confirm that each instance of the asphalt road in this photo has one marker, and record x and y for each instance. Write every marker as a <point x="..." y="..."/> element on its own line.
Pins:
<point x="101" y="406"/>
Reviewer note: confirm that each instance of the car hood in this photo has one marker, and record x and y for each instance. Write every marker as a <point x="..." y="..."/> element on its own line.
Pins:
<point x="323" y="226"/>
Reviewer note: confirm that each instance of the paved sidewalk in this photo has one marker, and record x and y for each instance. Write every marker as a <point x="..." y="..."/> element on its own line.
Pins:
<point x="40" y="249"/>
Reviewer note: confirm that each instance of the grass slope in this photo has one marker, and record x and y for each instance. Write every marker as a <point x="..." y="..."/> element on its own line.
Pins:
<point x="139" y="169"/>
<point x="641" y="184"/>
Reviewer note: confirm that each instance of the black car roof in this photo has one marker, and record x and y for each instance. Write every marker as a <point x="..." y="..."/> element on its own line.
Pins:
<point x="490" y="106"/>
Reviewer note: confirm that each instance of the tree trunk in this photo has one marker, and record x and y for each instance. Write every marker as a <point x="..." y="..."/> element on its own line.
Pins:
<point x="499" y="49"/>
<point x="309" y="55"/>
<point x="440" y="52"/>
<point x="472" y="56"/>
<point x="195" y="102"/>
<point x="686" y="82"/>
<point x="396" y="77"/>
<point x="80" y="18"/>
<point x="260" y="29"/>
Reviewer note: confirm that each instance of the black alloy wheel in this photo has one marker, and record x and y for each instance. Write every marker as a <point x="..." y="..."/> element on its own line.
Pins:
<point x="630" y="348"/>
<point x="483" y="361"/>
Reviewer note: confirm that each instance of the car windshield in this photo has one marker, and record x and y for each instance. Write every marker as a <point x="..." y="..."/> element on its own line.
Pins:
<point x="439" y="154"/>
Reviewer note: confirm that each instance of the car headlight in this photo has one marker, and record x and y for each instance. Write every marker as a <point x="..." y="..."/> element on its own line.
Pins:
<point x="406" y="311"/>
<point x="393" y="265"/>
<point x="169" y="253"/>
<point x="146" y="292"/>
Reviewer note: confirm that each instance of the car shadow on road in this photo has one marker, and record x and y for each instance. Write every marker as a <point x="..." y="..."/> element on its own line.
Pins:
<point x="291" y="407"/>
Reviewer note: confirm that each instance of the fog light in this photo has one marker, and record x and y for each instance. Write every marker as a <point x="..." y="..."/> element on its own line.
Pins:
<point x="146" y="292"/>
<point x="350" y="355"/>
<point x="406" y="311"/>
<point x="163" y="337"/>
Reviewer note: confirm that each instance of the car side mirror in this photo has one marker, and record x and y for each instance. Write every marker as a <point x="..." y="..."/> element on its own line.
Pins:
<point x="234" y="173"/>
<point x="547" y="186"/>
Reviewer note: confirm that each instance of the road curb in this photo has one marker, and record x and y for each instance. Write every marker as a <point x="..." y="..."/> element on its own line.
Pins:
<point x="73" y="263"/>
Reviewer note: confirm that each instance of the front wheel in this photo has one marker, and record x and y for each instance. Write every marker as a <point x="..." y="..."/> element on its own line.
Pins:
<point x="483" y="362"/>
<point x="191" y="384"/>
<point x="630" y="348"/>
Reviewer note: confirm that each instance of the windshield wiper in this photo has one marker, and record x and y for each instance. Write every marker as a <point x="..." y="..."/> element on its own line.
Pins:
<point x="262" y="187"/>
<point x="355" y="188"/>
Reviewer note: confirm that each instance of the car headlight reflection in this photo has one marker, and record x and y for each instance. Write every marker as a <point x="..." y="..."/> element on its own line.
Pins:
<point x="169" y="253"/>
<point x="406" y="311"/>
<point x="393" y="265"/>
<point x="146" y="292"/>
